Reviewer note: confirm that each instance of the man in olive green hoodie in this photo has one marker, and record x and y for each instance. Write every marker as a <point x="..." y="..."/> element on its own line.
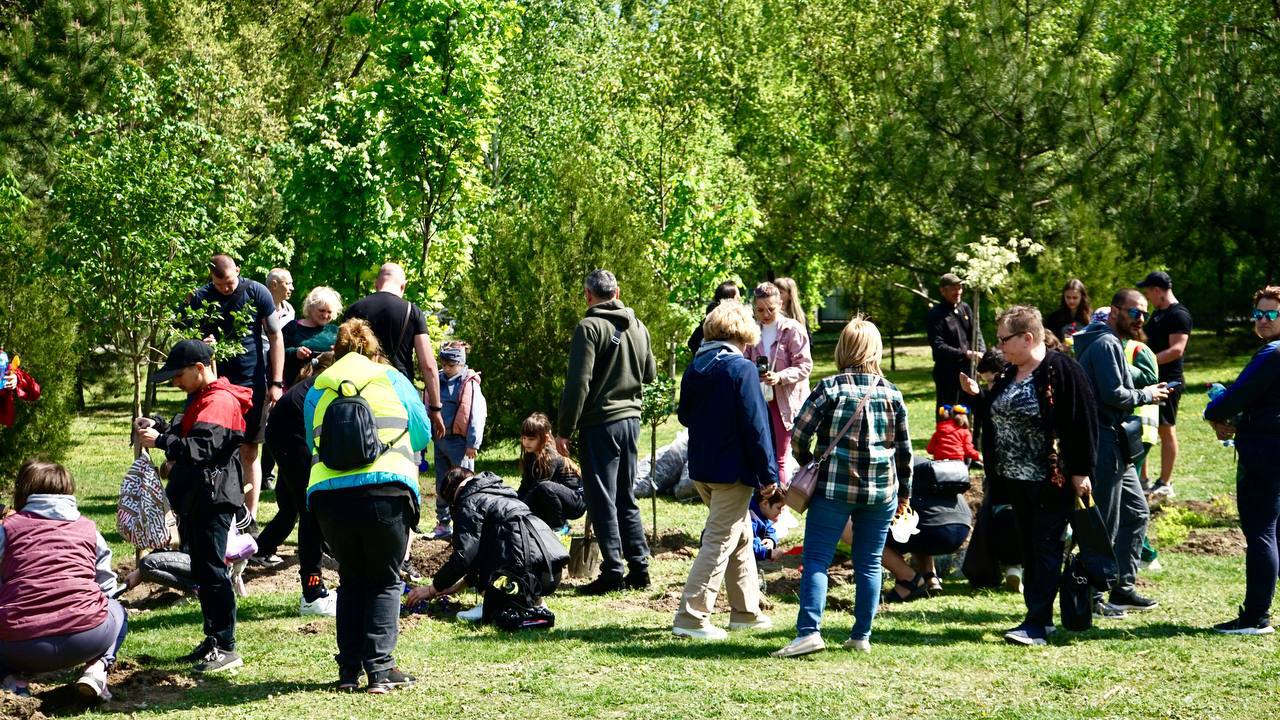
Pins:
<point x="608" y="363"/>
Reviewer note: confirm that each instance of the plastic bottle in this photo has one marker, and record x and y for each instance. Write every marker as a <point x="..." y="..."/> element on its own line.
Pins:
<point x="4" y="366"/>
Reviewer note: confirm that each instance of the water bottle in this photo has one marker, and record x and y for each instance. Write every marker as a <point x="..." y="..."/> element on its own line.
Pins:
<point x="4" y="365"/>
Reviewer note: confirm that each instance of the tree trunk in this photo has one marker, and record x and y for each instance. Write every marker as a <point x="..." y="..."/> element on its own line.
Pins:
<point x="81" y="405"/>
<point x="136" y="367"/>
<point x="973" y="341"/>
<point x="893" y="354"/>
<point x="653" y="485"/>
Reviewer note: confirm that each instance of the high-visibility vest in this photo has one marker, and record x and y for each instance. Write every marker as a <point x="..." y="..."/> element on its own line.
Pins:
<point x="395" y="404"/>
<point x="1150" y="414"/>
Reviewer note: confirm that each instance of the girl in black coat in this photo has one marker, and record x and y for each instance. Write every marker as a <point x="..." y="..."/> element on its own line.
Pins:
<point x="551" y="485"/>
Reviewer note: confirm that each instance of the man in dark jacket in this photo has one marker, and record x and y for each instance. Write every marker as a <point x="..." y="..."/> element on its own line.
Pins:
<point x="608" y="363"/>
<point x="495" y="535"/>
<point x="206" y="486"/>
<point x="1115" y="480"/>
<point x="950" y="326"/>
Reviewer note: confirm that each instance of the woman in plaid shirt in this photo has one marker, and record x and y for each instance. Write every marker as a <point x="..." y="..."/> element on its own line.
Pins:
<point x="858" y="483"/>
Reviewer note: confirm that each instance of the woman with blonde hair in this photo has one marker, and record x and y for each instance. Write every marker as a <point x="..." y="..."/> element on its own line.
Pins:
<point x="313" y="333"/>
<point x="784" y="363"/>
<point x="365" y="496"/>
<point x="730" y="458"/>
<point x="791" y="306"/>
<point x="866" y="476"/>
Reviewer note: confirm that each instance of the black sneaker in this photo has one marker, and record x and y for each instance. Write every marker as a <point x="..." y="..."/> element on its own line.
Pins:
<point x="218" y="660"/>
<point x="198" y="654"/>
<point x="269" y="560"/>
<point x="1244" y="626"/>
<point x="348" y="680"/>
<point x="636" y="580"/>
<point x="1108" y="611"/>
<point x="1130" y="600"/>
<point x="388" y="680"/>
<point x="603" y="585"/>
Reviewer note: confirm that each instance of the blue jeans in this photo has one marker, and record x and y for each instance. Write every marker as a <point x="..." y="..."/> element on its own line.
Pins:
<point x="823" y="526"/>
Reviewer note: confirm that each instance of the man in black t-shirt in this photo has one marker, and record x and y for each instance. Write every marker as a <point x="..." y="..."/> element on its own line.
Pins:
<point x="260" y="366"/>
<point x="401" y="328"/>
<point x="1167" y="333"/>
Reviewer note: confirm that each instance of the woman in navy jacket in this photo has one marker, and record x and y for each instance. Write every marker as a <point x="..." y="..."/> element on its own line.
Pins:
<point x="1249" y="409"/>
<point x="730" y="457"/>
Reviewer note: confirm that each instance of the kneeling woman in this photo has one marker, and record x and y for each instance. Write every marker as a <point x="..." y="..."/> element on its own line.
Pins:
<point x="499" y="548"/>
<point x="55" y="583"/>
<point x="945" y="520"/>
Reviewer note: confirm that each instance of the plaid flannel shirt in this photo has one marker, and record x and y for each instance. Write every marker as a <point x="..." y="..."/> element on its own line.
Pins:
<point x="868" y="448"/>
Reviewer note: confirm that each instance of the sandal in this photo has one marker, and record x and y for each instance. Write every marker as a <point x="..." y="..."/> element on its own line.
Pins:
<point x="916" y="587"/>
<point x="933" y="583"/>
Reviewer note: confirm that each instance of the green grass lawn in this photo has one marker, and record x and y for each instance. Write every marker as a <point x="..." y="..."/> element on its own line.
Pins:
<point x="615" y="657"/>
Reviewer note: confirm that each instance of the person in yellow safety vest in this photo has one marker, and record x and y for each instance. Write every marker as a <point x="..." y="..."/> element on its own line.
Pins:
<point x="365" y="513"/>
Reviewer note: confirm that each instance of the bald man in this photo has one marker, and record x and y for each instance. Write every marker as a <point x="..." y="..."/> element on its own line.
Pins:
<point x="401" y="328"/>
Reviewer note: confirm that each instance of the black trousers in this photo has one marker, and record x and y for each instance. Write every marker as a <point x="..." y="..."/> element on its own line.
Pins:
<point x="368" y="535"/>
<point x="1041" y="512"/>
<point x="608" y="474"/>
<point x="206" y="528"/>
<point x="946" y="383"/>
<point x="555" y="504"/>
<point x="291" y="498"/>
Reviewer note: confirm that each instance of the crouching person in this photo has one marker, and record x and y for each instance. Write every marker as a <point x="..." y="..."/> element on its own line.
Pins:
<point x="206" y="487"/>
<point x="501" y="549"/>
<point x="55" y="586"/>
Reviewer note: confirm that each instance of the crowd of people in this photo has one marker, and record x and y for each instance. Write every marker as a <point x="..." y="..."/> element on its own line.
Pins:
<point x="1061" y="412"/>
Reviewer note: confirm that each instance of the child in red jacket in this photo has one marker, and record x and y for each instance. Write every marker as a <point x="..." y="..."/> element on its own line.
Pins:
<point x="952" y="440"/>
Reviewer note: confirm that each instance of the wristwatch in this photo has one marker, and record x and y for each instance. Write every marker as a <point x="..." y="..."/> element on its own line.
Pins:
<point x="435" y="408"/>
<point x="276" y="383"/>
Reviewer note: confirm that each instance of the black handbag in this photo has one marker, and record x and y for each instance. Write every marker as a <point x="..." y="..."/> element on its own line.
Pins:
<point x="1089" y="533"/>
<point x="1129" y="431"/>
<point x="1075" y="596"/>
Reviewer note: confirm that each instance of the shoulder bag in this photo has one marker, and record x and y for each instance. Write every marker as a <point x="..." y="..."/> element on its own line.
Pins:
<point x="802" y="486"/>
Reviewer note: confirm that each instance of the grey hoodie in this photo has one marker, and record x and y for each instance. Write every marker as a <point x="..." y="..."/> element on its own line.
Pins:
<point x="63" y="507"/>
<point x="1101" y="354"/>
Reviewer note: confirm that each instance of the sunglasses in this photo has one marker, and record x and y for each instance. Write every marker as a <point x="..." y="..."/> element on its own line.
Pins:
<point x="1270" y="315"/>
<point x="1136" y="314"/>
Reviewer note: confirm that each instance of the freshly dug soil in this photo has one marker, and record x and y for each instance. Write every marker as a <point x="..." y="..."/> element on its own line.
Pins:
<point x="1213" y="542"/>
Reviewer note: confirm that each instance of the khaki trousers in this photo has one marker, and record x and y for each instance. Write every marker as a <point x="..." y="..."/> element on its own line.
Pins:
<point x="726" y="550"/>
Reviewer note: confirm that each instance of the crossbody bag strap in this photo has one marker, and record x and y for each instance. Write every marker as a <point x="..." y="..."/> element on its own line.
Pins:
<point x="857" y="415"/>
<point x="404" y="327"/>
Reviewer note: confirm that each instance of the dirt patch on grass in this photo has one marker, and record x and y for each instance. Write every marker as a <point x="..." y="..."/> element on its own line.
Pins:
<point x="786" y="585"/>
<point x="427" y="556"/>
<point x="1213" y="542"/>
<point x="20" y="708"/>
<point x="676" y="543"/>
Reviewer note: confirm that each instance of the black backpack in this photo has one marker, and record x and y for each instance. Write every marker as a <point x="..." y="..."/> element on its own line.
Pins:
<point x="349" y="432"/>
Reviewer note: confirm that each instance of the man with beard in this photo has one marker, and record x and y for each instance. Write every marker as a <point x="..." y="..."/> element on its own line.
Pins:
<point x="1115" y="480"/>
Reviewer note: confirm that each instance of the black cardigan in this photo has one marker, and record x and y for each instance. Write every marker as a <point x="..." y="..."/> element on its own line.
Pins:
<point x="1072" y="416"/>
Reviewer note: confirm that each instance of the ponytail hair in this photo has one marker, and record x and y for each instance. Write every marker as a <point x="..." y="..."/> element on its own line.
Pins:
<point x="356" y="336"/>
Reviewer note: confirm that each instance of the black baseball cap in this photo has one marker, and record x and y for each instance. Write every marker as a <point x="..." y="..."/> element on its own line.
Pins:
<point x="1157" y="279"/>
<point x="183" y="355"/>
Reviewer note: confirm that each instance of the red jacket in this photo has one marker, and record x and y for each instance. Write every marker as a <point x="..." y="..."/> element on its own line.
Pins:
<point x="28" y="389"/>
<point x="952" y="442"/>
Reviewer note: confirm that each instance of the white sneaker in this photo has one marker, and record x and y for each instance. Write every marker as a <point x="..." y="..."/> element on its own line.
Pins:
<point x="93" y="682"/>
<point x="710" y="633"/>
<point x="762" y="622"/>
<point x="862" y="646"/>
<point x="475" y="614"/>
<point x="324" y="606"/>
<point x="1013" y="579"/>
<point x="811" y="643"/>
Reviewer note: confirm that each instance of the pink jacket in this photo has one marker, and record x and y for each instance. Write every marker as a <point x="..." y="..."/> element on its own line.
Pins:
<point x="793" y="362"/>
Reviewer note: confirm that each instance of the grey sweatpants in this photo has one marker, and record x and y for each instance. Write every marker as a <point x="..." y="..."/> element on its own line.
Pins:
<point x="608" y="473"/>
<point x="58" y="652"/>
<point x="1118" y="493"/>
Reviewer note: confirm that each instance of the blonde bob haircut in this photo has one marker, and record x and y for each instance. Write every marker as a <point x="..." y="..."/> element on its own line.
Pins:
<point x="731" y="321"/>
<point x="860" y="348"/>
<point x="323" y="296"/>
